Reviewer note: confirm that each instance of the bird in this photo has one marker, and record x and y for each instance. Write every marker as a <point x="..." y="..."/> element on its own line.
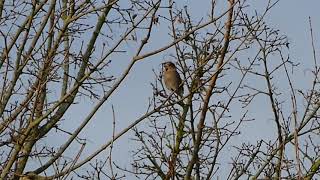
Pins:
<point x="172" y="78"/>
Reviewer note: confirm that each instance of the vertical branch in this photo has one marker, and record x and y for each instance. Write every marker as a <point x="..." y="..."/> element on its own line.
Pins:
<point x="209" y="90"/>
<point x="1" y="8"/>
<point x="5" y="53"/>
<point x="6" y="95"/>
<point x="64" y="106"/>
<point x="275" y="114"/>
<point x="20" y="66"/>
<point x="81" y="73"/>
<point x="178" y="139"/>
<point x="316" y="163"/>
<point x="47" y="127"/>
<point x="40" y="97"/>
<point x="111" y="146"/>
<point x="312" y="44"/>
<point x="65" y="11"/>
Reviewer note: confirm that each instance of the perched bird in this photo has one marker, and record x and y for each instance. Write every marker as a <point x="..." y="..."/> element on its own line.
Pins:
<point x="172" y="78"/>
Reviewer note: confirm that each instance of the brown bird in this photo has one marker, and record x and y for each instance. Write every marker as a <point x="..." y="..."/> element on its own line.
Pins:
<point x="172" y="78"/>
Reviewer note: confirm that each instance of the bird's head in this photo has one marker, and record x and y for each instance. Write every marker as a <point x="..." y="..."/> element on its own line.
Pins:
<point x="168" y="66"/>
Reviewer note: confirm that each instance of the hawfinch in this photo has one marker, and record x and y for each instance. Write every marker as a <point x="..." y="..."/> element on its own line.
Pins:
<point x="172" y="78"/>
